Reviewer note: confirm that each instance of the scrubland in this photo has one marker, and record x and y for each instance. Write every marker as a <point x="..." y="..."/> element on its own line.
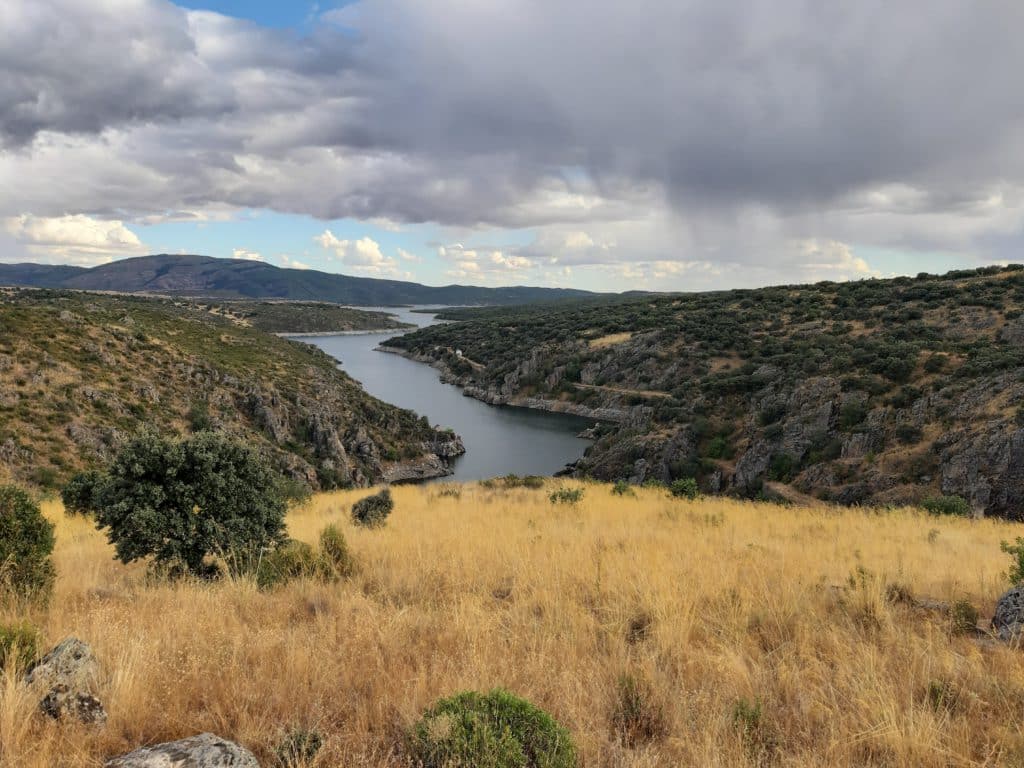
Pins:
<point x="659" y="631"/>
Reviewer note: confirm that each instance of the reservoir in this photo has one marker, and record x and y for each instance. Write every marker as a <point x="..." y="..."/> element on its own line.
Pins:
<point x="499" y="440"/>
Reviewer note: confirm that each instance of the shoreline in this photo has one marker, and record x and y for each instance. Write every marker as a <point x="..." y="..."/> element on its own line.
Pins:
<point x="361" y="332"/>
<point x="531" y="403"/>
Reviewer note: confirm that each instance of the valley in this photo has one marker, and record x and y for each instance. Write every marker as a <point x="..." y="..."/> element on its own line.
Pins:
<point x="871" y="392"/>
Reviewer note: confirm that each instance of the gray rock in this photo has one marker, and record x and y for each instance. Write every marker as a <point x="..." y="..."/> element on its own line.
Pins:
<point x="1009" y="619"/>
<point x="71" y="664"/>
<point x="202" y="751"/>
<point x="752" y="465"/>
<point x="61" y="703"/>
<point x="69" y="673"/>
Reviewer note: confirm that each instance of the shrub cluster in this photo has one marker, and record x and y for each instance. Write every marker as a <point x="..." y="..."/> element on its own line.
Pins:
<point x="26" y="542"/>
<point x="298" y="560"/>
<point x="566" y="496"/>
<point x="685" y="488"/>
<point x="496" y="730"/>
<point x="947" y="505"/>
<point x="372" y="512"/>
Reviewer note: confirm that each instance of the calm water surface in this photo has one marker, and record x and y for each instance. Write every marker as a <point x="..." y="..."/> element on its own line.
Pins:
<point x="499" y="440"/>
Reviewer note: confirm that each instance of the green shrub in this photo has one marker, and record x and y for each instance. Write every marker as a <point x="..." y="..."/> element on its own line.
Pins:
<point x="719" y="448"/>
<point x="26" y="542"/>
<point x="1016" y="551"/>
<point x="782" y="467"/>
<point x="298" y="748"/>
<point x="685" y="488"/>
<point x="622" y="488"/>
<point x="566" y="496"/>
<point x="297" y="560"/>
<point x="288" y="561"/>
<point x="638" y="718"/>
<point x="947" y="505"/>
<point x="182" y="502"/>
<point x="79" y="493"/>
<point x="493" y="730"/>
<point x="19" y="646"/>
<point x="337" y="560"/>
<point x="372" y="512"/>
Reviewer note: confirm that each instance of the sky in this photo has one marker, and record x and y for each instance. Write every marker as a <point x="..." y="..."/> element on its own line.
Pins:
<point x="656" y="144"/>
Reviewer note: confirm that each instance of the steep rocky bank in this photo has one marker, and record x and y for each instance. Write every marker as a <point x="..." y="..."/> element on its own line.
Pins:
<point x="79" y="373"/>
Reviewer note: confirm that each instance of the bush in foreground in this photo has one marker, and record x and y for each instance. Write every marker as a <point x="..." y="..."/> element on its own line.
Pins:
<point x="297" y="560"/>
<point x="496" y="730"/>
<point x="26" y="542"/>
<point x="372" y="512"/>
<point x="182" y="502"/>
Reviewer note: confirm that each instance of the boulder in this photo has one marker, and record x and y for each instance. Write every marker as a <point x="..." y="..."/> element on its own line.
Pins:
<point x="71" y="664"/>
<point x="62" y="703"/>
<point x="1008" y="622"/>
<point x="69" y="674"/>
<point x="202" y="751"/>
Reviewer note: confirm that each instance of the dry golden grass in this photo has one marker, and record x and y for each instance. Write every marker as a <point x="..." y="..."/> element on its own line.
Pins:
<point x="711" y="602"/>
<point x="610" y="340"/>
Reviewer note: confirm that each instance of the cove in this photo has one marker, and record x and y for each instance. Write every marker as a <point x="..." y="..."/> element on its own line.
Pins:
<point x="499" y="440"/>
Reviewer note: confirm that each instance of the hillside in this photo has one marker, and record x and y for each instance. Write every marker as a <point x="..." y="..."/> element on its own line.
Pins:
<point x="659" y="632"/>
<point x="879" y="391"/>
<point x="303" y="317"/>
<point x="234" y="278"/>
<point x="80" y="372"/>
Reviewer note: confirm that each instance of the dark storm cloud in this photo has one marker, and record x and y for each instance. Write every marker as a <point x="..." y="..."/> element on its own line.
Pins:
<point x="527" y="113"/>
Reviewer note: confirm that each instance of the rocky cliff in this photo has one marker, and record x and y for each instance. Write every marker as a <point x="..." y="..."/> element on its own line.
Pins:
<point x="80" y="372"/>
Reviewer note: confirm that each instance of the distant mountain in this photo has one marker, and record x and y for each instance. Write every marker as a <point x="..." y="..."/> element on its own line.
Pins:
<point x="227" y="278"/>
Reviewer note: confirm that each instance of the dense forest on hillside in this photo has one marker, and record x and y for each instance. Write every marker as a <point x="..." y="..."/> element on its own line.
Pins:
<point x="81" y="372"/>
<point x="871" y="391"/>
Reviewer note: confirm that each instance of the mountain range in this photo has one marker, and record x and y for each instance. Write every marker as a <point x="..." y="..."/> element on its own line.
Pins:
<point x="205" y="276"/>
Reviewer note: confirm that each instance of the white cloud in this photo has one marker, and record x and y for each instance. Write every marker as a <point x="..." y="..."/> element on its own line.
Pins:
<point x="363" y="255"/>
<point x="412" y="258"/>
<point x="242" y="253"/>
<point x="290" y="263"/>
<point x="76" y="239"/>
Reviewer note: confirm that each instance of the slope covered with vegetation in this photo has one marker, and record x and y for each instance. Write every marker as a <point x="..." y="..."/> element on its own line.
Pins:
<point x="186" y="275"/>
<point x="881" y="391"/>
<point x="299" y="317"/>
<point x="657" y="631"/>
<point x="81" y="372"/>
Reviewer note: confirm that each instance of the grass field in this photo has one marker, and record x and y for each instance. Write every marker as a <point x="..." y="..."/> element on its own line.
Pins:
<point x="753" y="634"/>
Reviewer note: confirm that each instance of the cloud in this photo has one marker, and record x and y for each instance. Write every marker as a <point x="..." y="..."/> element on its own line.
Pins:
<point x="727" y="134"/>
<point x="290" y="263"/>
<point x="405" y="255"/>
<point x="242" y="253"/>
<point x="492" y="265"/>
<point x="74" y="239"/>
<point x="362" y="255"/>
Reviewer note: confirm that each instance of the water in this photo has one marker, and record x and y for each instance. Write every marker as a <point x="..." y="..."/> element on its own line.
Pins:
<point x="499" y="440"/>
